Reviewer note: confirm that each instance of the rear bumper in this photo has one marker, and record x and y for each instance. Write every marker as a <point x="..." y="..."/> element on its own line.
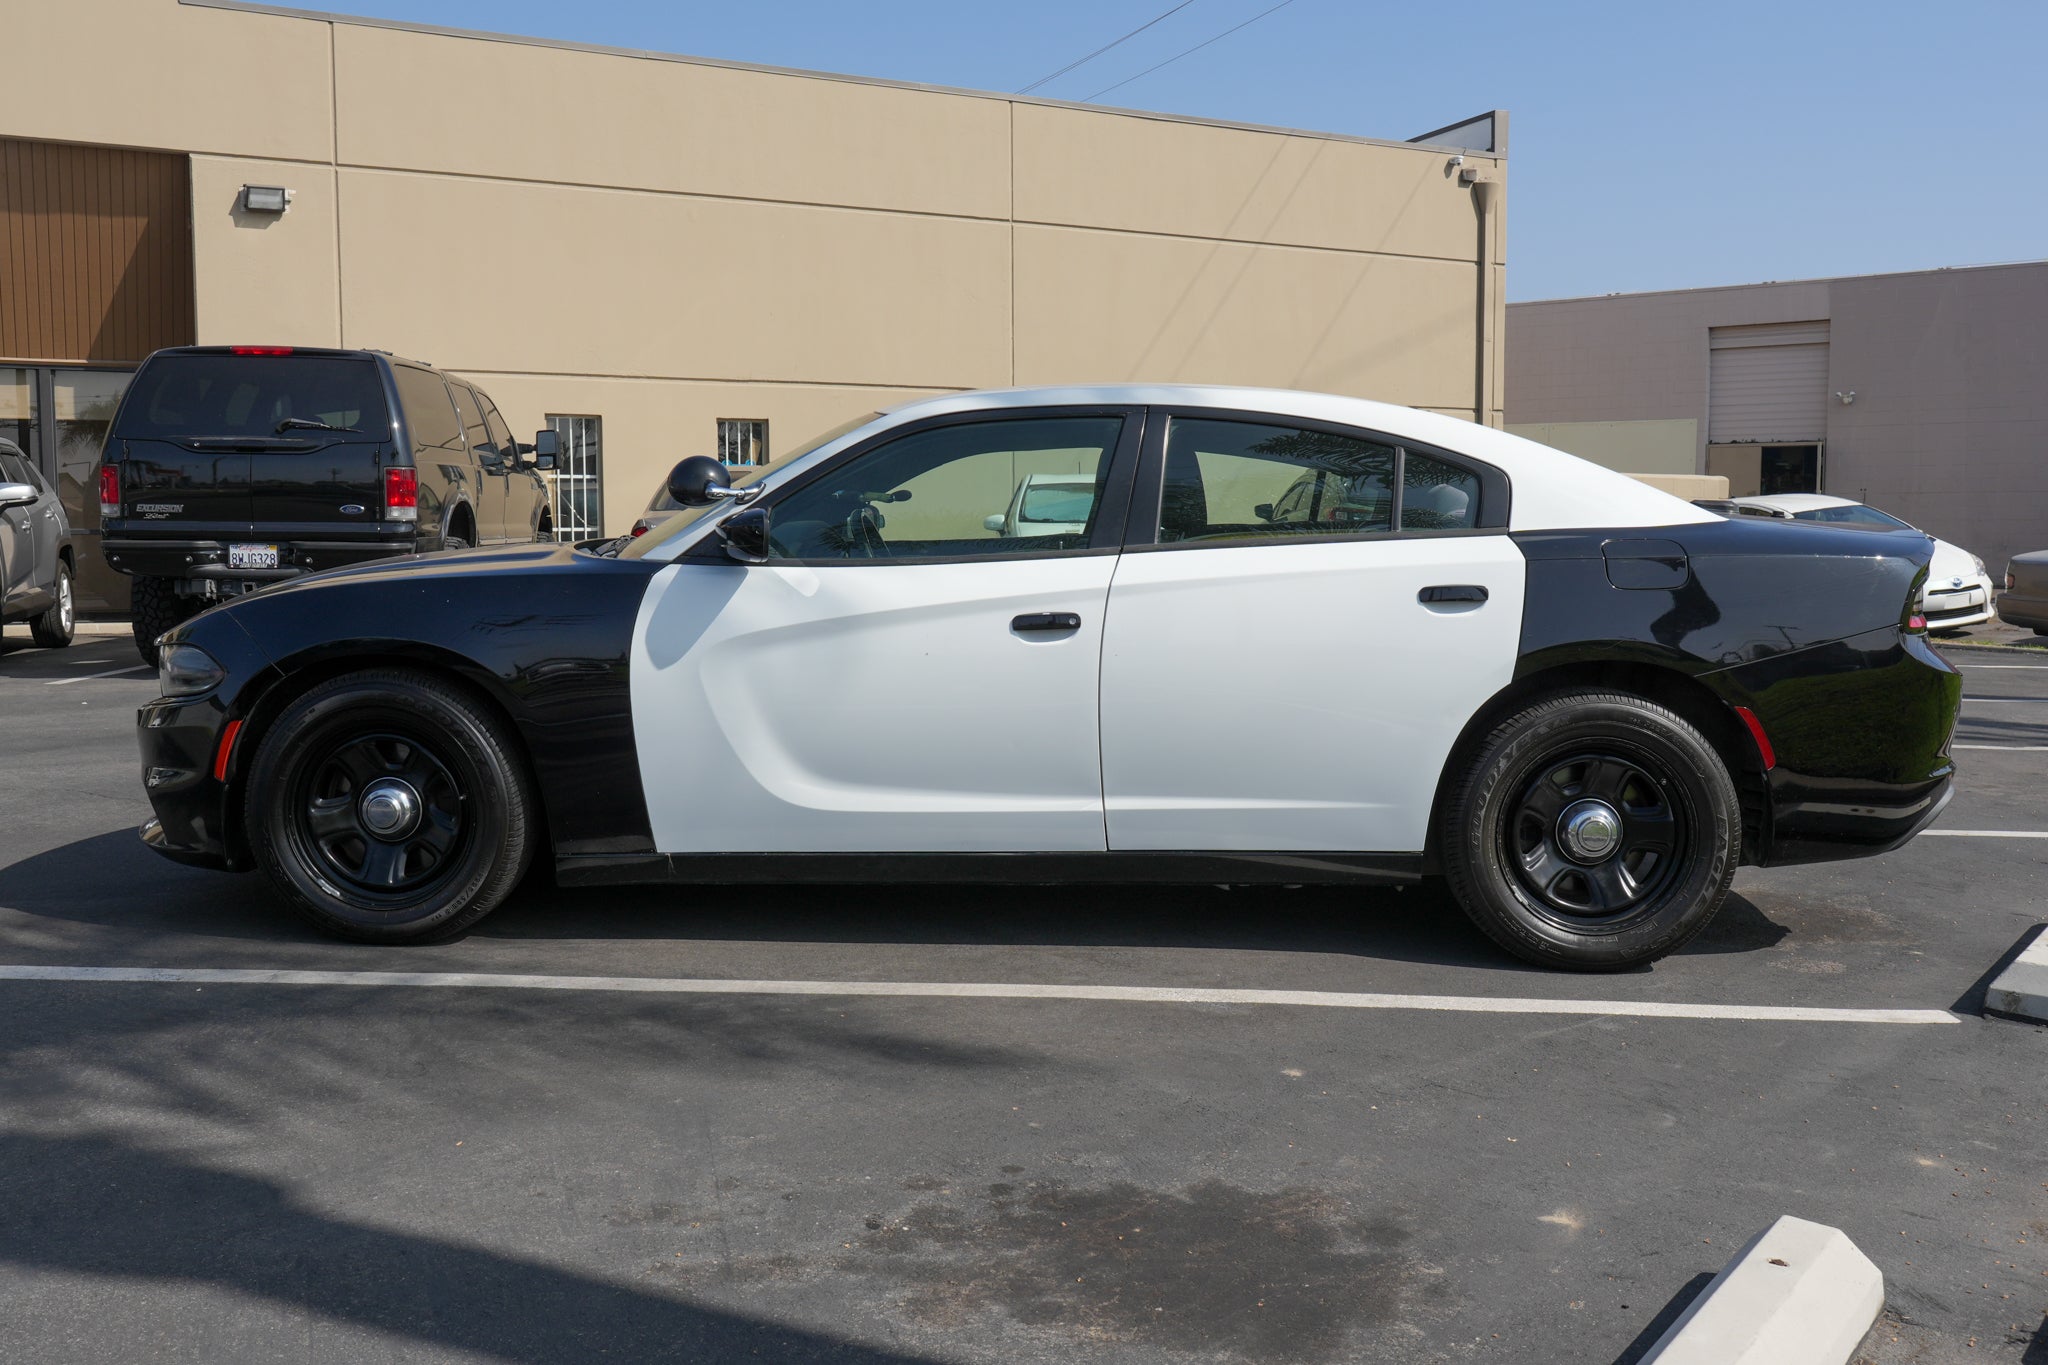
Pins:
<point x="2017" y="608"/>
<point x="1861" y="731"/>
<point x="153" y="558"/>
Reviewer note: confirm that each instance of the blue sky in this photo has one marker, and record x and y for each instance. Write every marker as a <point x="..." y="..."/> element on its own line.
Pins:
<point x="1655" y="145"/>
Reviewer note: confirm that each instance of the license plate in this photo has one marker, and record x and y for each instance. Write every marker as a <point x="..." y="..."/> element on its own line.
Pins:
<point x="252" y="556"/>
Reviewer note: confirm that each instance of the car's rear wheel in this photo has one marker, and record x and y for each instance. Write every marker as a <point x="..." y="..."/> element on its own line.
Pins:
<point x="390" y="806"/>
<point x="157" y="606"/>
<point x="53" y="629"/>
<point x="1591" y="830"/>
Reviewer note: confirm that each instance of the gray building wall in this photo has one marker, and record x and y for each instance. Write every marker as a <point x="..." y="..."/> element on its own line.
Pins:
<point x="1949" y="427"/>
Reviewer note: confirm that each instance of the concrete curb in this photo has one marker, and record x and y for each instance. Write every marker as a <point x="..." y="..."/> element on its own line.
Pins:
<point x="1798" y="1294"/>
<point x="2021" y="990"/>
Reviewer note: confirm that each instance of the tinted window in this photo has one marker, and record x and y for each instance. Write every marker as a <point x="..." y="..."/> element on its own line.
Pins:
<point x="13" y="470"/>
<point x="233" y="395"/>
<point x="500" y="434"/>
<point x="475" y="434"/>
<point x="948" y="491"/>
<point x="1436" y="496"/>
<point x="427" y="408"/>
<point x="1230" y="480"/>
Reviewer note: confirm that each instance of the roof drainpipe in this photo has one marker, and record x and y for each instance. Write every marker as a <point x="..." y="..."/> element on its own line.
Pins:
<point x="1484" y="182"/>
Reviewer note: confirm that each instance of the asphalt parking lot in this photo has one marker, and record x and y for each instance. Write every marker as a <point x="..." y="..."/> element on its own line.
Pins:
<point x="330" y="1170"/>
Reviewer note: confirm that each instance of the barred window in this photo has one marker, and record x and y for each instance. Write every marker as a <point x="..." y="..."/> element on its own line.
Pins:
<point x="742" y="441"/>
<point x="577" y="484"/>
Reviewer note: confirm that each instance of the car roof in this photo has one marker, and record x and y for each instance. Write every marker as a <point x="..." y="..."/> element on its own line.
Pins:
<point x="1794" y="502"/>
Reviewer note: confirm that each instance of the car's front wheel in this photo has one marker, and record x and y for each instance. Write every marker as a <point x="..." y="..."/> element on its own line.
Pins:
<point x="1591" y="830"/>
<point x="390" y="806"/>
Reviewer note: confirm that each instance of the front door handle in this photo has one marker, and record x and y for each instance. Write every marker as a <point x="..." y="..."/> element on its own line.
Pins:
<point x="1452" y="592"/>
<point x="1046" y="620"/>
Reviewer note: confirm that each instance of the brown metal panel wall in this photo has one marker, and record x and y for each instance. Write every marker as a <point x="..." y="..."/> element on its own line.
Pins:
<point x="95" y="252"/>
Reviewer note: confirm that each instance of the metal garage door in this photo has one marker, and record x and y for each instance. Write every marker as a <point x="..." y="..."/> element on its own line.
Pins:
<point x="1769" y="383"/>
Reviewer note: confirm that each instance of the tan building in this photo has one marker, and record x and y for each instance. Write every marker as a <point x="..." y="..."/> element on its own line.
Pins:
<point x="667" y="255"/>
<point x="1919" y="393"/>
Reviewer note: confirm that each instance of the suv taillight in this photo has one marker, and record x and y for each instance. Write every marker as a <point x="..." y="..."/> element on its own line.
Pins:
<point x="110" y="491"/>
<point x="401" y="495"/>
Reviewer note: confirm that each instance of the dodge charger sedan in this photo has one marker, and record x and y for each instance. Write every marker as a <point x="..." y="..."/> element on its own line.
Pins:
<point x="1581" y="701"/>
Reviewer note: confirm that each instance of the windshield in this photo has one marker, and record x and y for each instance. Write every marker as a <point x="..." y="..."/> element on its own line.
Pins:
<point x="690" y="516"/>
<point x="1855" y="514"/>
<point x="181" y="396"/>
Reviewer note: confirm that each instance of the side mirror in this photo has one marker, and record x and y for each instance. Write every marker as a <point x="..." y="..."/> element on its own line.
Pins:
<point x="547" y="444"/>
<point x="691" y="482"/>
<point x="16" y="495"/>
<point x="745" y="533"/>
<point x="995" y="521"/>
<point x="1264" y="511"/>
<point x="543" y="462"/>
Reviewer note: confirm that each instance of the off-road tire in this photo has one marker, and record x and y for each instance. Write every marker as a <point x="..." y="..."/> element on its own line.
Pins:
<point x="157" y="607"/>
<point x="1492" y="831"/>
<point x="401" y="717"/>
<point x="54" y="628"/>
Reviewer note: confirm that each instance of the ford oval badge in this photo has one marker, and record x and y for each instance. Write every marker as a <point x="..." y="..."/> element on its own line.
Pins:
<point x="354" y="509"/>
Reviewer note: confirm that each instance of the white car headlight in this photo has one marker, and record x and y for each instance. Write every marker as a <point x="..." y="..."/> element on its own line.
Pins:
<point x="1978" y="560"/>
<point x="186" y="671"/>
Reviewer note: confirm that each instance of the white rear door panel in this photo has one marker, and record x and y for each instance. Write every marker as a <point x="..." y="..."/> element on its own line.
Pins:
<point x="870" y="708"/>
<point x="1296" y="697"/>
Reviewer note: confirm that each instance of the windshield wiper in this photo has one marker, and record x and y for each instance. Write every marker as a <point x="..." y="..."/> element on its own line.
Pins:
<point x="308" y="424"/>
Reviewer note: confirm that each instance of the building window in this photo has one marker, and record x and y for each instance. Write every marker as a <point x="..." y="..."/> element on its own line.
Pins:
<point x="742" y="441"/>
<point x="577" y="485"/>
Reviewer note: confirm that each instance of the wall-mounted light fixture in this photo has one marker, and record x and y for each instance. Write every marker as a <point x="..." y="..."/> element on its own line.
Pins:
<point x="1847" y="396"/>
<point x="265" y="199"/>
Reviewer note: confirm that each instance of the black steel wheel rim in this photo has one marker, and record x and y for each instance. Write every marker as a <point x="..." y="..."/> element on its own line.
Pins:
<point x="1589" y="888"/>
<point x="381" y="814"/>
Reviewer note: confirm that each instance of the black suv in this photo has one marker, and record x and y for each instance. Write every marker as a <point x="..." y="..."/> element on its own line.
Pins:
<point x="228" y="467"/>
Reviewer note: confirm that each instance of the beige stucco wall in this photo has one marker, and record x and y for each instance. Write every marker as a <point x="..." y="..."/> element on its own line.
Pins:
<point x="662" y="242"/>
<point x="1668" y="446"/>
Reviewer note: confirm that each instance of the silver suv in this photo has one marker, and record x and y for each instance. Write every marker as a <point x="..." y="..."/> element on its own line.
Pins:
<point x="36" y="557"/>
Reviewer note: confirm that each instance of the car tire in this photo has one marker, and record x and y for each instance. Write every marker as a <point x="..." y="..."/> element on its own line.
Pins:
<point x="390" y="806"/>
<point x="54" y="628"/>
<point x="157" y="607"/>
<point x="1593" y="831"/>
<point x="454" y="543"/>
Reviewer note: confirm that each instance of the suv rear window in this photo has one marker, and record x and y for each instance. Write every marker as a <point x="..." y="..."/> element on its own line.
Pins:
<point x="179" y="396"/>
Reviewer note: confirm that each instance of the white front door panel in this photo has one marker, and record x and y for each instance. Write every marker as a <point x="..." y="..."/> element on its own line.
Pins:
<point x="1296" y="696"/>
<point x="870" y="708"/>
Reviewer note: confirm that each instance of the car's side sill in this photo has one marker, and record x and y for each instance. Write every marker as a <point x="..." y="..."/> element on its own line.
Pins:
<point x="1157" y="867"/>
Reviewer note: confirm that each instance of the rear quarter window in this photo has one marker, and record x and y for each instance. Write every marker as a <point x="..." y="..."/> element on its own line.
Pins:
<point x="181" y="396"/>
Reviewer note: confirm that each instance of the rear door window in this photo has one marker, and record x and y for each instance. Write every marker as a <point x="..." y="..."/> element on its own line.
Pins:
<point x="178" y="397"/>
<point x="428" y="409"/>
<point x="1228" y="480"/>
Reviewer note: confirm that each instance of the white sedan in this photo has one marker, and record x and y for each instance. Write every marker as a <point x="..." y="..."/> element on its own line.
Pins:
<point x="1958" y="591"/>
<point x="1580" y="701"/>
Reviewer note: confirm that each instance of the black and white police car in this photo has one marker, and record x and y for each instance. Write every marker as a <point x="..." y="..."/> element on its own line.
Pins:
<point x="1580" y="700"/>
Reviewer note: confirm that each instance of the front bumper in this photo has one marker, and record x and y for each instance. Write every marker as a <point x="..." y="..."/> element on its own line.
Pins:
<point x="180" y="740"/>
<point x="1947" y="608"/>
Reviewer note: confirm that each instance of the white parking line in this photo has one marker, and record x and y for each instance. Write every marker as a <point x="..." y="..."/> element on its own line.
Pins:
<point x="110" y="673"/>
<point x="2009" y="748"/>
<point x="1987" y="833"/>
<point x="2035" y="700"/>
<point x="985" y="990"/>
<point x="2039" y="668"/>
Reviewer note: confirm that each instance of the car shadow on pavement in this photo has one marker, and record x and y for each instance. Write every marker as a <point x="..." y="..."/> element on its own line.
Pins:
<point x="101" y="1207"/>
<point x="111" y="880"/>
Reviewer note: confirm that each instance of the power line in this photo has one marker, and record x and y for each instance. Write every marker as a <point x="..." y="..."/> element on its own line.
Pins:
<point x="1189" y="53"/>
<point x="1104" y="48"/>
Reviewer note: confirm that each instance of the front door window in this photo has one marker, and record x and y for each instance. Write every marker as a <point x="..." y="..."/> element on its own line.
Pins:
<point x="1009" y="488"/>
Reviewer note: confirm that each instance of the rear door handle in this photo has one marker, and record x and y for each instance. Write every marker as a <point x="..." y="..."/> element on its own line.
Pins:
<point x="1046" y="620"/>
<point x="1452" y="592"/>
